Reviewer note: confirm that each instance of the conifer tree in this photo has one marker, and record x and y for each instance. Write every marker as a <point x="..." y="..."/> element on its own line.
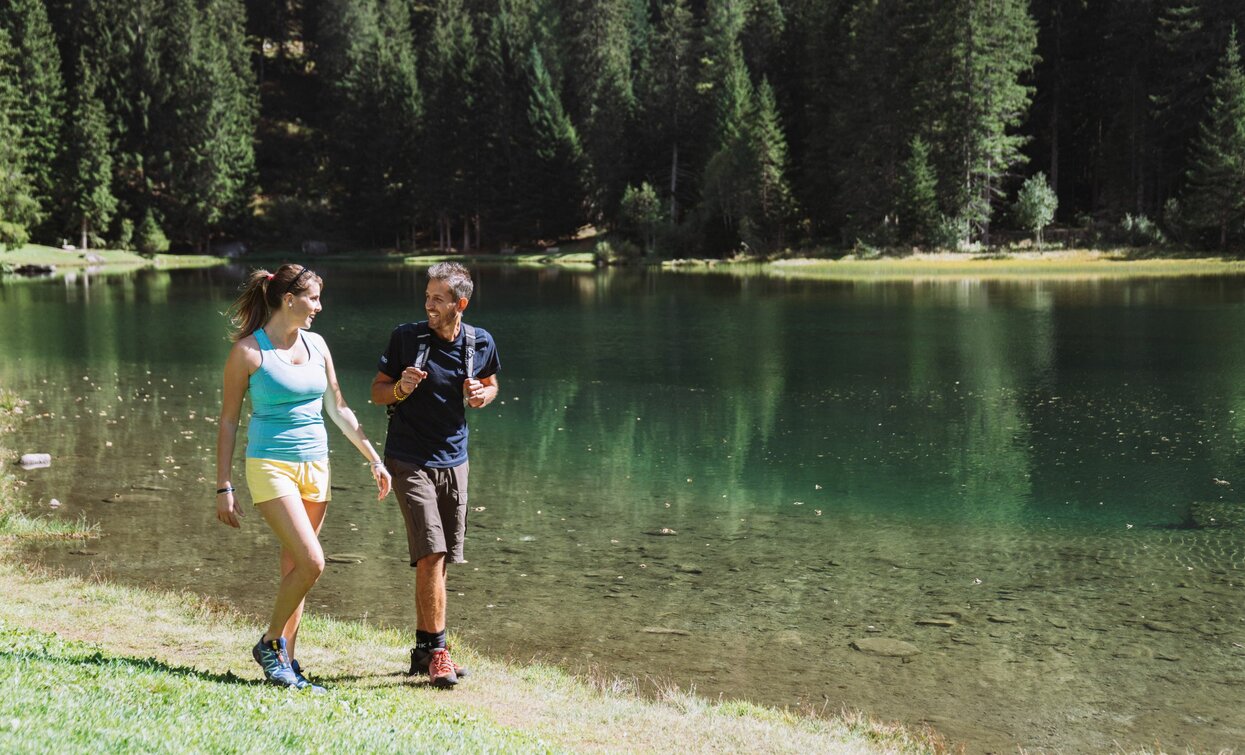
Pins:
<point x="209" y="122"/>
<point x="918" y="194"/>
<point x="668" y="100"/>
<point x="602" y="96"/>
<point x="774" y="204"/>
<point x="726" y="199"/>
<point x="556" y="170"/>
<point x="91" y="160"/>
<point x="37" y="114"/>
<point x="989" y="45"/>
<point x="19" y="209"/>
<point x="369" y="65"/>
<point x="1216" y="194"/>
<point x="451" y="126"/>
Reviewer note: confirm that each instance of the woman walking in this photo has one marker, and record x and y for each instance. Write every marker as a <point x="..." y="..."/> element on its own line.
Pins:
<point x="287" y="370"/>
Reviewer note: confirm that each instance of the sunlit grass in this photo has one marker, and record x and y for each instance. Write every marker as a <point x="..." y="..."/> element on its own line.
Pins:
<point x="37" y="254"/>
<point x="67" y="696"/>
<point x="1063" y="265"/>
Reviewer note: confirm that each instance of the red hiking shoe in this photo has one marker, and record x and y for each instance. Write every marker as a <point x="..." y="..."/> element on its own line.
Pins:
<point x="441" y="669"/>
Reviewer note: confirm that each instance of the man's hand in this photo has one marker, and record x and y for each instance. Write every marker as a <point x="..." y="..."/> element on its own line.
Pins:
<point x="411" y="378"/>
<point x="474" y="391"/>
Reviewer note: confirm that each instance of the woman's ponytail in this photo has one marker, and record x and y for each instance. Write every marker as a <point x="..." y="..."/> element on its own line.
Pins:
<point x="249" y="311"/>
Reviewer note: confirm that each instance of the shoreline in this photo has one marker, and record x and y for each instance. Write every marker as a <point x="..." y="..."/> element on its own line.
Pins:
<point x="1015" y="265"/>
<point x="37" y="259"/>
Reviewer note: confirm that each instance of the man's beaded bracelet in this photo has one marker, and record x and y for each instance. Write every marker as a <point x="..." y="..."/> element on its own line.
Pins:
<point x="396" y="395"/>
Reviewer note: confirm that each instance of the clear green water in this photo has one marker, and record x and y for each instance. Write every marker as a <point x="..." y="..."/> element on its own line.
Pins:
<point x="837" y="461"/>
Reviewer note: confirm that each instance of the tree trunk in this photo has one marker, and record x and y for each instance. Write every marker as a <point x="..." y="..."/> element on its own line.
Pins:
<point x="466" y="234"/>
<point x="84" y="231"/>
<point x="674" y="183"/>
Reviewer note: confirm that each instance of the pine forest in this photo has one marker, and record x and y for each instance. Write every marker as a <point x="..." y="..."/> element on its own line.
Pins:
<point x="688" y="127"/>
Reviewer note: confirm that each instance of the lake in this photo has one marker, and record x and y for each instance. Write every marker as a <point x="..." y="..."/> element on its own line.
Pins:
<point x="731" y="483"/>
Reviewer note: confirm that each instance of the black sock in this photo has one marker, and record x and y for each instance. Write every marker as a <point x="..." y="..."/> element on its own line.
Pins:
<point x="429" y="640"/>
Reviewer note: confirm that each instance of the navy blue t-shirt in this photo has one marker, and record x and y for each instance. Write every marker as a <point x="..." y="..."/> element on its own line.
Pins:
<point x="429" y="427"/>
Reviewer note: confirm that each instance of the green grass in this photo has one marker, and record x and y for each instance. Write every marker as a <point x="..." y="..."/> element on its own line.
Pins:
<point x="65" y="696"/>
<point x="1071" y="265"/>
<point x="102" y="667"/>
<point x="36" y="254"/>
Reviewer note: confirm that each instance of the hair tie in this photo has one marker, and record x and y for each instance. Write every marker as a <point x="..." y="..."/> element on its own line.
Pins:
<point x="270" y="276"/>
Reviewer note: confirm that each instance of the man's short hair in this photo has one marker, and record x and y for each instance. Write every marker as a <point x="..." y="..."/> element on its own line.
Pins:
<point x="455" y="276"/>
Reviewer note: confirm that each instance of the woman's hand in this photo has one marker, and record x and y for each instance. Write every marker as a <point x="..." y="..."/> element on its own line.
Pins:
<point x="227" y="510"/>
<point x="383" y="481"/>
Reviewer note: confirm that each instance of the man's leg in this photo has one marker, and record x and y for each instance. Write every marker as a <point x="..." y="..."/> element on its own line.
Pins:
<point x="430" y="594"/>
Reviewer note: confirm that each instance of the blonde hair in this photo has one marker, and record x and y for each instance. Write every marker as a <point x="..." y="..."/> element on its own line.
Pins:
<point x="262" y="294"/>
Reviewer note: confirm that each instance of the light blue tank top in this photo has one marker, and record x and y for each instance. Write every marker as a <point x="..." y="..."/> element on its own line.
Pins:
<point x="286" y="405"/>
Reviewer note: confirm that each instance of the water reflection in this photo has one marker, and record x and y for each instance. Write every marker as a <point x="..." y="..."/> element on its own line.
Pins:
<point x="996" y="472"/>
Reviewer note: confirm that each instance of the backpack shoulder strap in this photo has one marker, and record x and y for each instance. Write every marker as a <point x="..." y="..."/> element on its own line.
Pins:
<point x="423" y="338"/>
<point x="469" y="349"/>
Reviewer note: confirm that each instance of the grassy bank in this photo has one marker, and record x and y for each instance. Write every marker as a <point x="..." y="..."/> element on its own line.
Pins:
<point x="104" y="667"/>
<point x="1059" y="265"/>
<point x="1077" y="264"/>
<point x="93" y="666"/>
<point x="103" y="260"/>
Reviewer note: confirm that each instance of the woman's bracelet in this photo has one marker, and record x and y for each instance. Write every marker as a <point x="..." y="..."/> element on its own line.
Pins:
<point x="396" y="395"/>
<point x="226" y="489"/>
<point x="376" y="463"/>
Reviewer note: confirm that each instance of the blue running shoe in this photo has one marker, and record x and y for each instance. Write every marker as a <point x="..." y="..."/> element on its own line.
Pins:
<point x="298" y="672"/>
<point x="275" y="662"/>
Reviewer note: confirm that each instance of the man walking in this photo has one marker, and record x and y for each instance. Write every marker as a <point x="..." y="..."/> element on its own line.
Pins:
<point x="429" y="374"/>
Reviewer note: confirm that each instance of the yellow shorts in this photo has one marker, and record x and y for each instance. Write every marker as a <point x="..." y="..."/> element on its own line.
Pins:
<point x="269" y="479"/>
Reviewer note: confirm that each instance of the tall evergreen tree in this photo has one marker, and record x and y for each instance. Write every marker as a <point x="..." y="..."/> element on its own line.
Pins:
<point x="774" y="203"/>
<point x="601" y="93"/>
<point x="668" y="101"/>
<point x="369" y="65"/>
<point x="452" y="132"/>
<point x="216" y="107"/>
<point x="91" y="161"/>
<point x="746" y="190"/>
<point x="19" y="210"/>
<point x="918" y="195"/>
<point x="557" y="166"/>
<point x="1216" y="196"/>
<point x="989" y="47"/>
<point x="37" y="115"/>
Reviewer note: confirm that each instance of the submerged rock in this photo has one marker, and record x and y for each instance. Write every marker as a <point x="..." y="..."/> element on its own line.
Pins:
<point x="666" y="630"/>
<point x="35" y="461"/>
<point x="1217" y="514"/>
<point x="663" y="532"/>
<point x="885" y="647"/>
<point x="936" y="622"/>
<point x="345" y="558"/>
